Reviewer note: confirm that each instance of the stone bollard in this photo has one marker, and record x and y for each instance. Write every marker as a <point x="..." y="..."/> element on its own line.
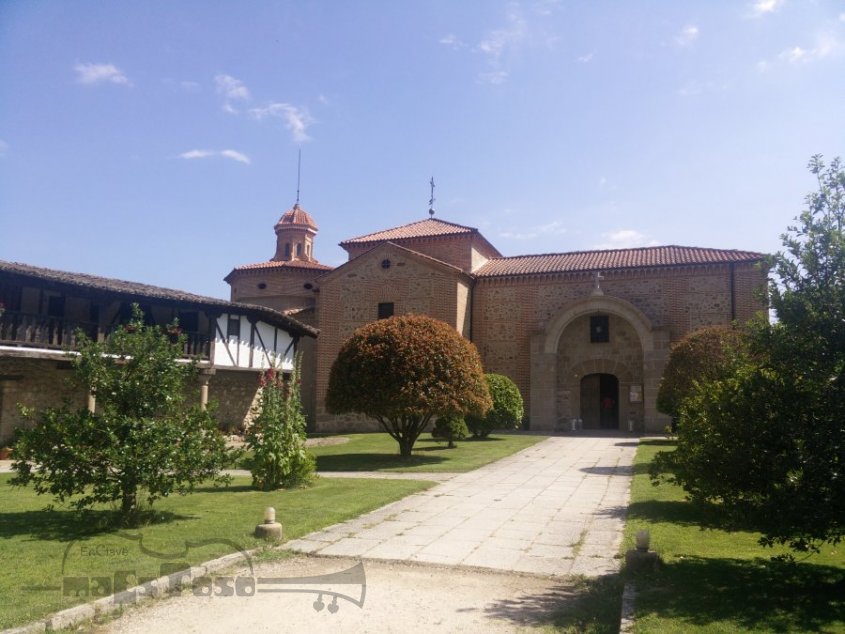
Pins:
<point x="270" y="528"/>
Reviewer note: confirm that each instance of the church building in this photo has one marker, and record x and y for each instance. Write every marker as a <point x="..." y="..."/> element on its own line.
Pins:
<point x="585" y="335"/>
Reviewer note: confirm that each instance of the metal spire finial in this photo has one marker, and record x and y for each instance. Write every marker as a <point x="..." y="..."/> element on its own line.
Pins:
<point x="298" y="174"/>
<point x="431" y="200"/>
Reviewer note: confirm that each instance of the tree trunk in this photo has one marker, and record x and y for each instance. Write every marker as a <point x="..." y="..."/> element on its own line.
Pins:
<point x="129" y="503"/>
<point x="405" y="446"/>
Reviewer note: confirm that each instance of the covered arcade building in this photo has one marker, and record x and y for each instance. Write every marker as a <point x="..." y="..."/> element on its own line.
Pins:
<point x="585" y="335"/>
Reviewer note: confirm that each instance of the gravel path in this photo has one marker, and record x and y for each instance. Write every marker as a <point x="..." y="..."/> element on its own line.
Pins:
<point x="485" y="551"/>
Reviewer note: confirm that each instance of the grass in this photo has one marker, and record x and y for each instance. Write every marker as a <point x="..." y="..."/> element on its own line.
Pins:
<point x="39" y="548"/>
<point x="379" y="452"/>
<point x="716" y="581"/>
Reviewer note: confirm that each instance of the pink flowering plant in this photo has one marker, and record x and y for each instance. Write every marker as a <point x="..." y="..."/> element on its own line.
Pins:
<point x="276" y="435"/>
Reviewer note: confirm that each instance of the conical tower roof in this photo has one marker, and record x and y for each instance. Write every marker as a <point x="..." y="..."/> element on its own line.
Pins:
<point x="296" y="217"/>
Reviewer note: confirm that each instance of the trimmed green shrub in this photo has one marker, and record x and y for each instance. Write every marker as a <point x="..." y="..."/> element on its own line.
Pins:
<point x="450" y="428"/>
<point x="699" y="356"/>
<point x="507" y="411"/>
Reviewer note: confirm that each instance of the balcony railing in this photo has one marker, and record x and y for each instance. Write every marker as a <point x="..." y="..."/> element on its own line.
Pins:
<point x="41" y="331"/>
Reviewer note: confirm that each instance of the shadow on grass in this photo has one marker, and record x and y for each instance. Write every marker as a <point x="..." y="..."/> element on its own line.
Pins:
<point x="586" y="605"/>
<point x="374" y="461"/>
<point x="758" y="594"/>
<point x="67" y="525"/>
<point x="678" y="512"/>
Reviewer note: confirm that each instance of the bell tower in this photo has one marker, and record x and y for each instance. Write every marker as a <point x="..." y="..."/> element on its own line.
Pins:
<point x="295" y="233"/>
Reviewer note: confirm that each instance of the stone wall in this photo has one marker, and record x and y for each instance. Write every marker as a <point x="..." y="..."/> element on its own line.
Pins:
<point x="46" y="382"/>
<point x="34" y="382"/>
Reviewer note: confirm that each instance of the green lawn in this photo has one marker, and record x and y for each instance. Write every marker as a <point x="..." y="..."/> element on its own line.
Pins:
<point x="715" y="581"/>
<point x="39" y="548"/>
<point x="379" y="452"/>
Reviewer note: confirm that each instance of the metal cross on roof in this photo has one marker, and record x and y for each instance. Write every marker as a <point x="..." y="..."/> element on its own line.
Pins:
<point x="431" y="200"/>
<point x="597" y="288"/>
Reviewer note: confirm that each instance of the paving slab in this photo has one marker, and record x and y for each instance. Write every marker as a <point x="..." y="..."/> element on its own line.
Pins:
<point x="555" y="508"/>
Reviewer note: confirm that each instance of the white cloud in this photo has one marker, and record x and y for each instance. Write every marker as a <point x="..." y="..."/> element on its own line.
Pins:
<point x="297" y="120"/>
<point x="493" y="77"/>
<point x="497" y="41"/>
<point x="556" y="227"/>
<point x="452" y="41"/>
<point x="99" y="73"/>
<point x="585" y="58"/>
<point x="235" y="156"/>
<point x="232" y="89"/>
<point x="625" y="239"/>
<point x="827" y="45"/>
<point x="323" y="100"/>
<point x="687" y="36"/>
<point x="763" y="7"/>
<point x="196" y="154"/>
<point x="4" y="147"/>
<point x="229" y="154"/>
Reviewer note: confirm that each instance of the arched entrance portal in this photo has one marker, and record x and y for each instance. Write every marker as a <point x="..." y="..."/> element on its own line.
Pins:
<point x="600" y="401"/>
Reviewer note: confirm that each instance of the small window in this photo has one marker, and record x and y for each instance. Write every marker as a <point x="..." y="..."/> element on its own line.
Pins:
<point x="599" y="329"/>
<point x="234" y="327"/>
<point x="299" y="249"/>
<point x="385" y="310"/>
<point x="287" y="249"/>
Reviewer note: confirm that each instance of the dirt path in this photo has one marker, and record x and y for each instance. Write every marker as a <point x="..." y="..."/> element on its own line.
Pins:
<point x="399" y="597"/>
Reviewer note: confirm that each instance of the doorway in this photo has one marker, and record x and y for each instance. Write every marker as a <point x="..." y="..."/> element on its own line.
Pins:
<point x="600" y="401"/>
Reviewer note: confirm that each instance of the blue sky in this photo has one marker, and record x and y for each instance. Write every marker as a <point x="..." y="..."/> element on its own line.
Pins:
<point x="157" y="141"/>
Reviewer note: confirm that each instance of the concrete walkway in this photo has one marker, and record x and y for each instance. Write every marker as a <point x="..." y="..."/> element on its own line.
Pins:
<point x="556" y="508"/>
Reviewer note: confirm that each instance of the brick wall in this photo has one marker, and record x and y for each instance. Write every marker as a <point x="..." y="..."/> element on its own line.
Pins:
<point x="284" y="287"/>
<point x="350" y="296"/>
<point x="454" y="250"/>
<point x="507" y="312"/>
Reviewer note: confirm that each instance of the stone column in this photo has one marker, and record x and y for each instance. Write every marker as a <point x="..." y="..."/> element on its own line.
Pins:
<point x="543" y="385"/>
<point x="205" y="377"/>
<point x="92" y="402"/>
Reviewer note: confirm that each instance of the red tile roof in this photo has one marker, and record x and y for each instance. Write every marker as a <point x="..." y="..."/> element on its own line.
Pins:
<point x="612" y="260"/>
<point x="289" y="264"/>
<point x="297" y="216"/>
<point x="423" y="229"/>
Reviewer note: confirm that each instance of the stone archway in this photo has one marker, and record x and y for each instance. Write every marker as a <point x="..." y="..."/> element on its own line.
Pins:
<point x="561" y="357"/>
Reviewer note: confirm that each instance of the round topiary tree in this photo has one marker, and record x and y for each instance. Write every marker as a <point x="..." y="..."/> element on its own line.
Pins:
<point x="507" y="410"/>
<point x="405" y="371"/>
<point x="450" y="428"/>
<point x="699" y="356"/>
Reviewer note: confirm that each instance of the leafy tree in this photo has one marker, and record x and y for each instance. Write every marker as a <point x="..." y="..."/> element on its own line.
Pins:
<point x="405" y="371"/>
<point x="144" y="441"/>
<point x="276" y="435"/>
<point x="766" y="441"/>
<point x="450" y="428"/>
<point x="507" y="411"/>
<point x="699" y="356"/>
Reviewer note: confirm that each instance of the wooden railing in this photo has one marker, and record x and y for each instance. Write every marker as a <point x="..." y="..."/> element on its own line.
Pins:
<point x="41" y="331"/>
